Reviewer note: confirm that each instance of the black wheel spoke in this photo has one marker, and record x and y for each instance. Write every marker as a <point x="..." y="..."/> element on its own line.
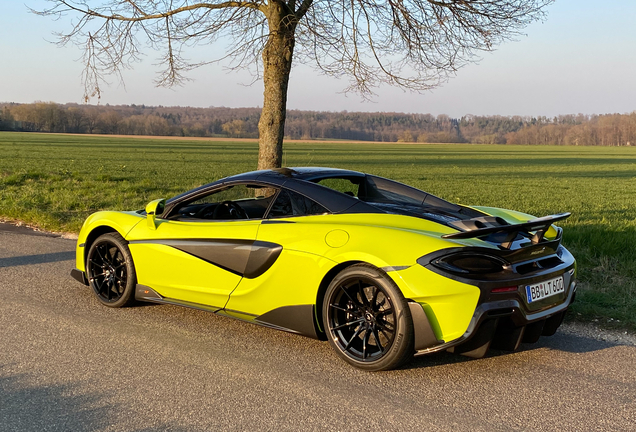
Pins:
<point x="385" y="312"/>
<point x="355" y="335"/>
<point x="348" y="324"/>
<point x="99" y="253"/>
<point x="387" y="334"/>
<point x="376" y="336"/>
<point x="338" y="307"/>
<point x="103" y="287"/>
<point x="385" y="325"/>
<point x="100" y="285"/>
<point x="113" y="255"/>
<point x="354" y="301"/>
<point x="363" y="295"/>
<point x="365" y="340"/>
<point x="374" y="299"/>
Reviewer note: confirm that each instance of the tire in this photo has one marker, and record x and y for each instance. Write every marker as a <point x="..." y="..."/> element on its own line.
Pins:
<point x="111" y="271"/>
<point x="367" y="319"/>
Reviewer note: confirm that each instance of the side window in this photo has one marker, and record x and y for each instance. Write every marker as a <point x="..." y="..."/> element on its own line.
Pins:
<point x="230" y="194"/>
<point x="344" y="185"/>
<point x="289" y="203"/>
<point x="243" y="201"/>
<point x="381" y="190"/>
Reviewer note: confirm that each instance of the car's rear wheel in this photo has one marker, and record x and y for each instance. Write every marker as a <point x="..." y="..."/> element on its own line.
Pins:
<point x="367" y="319"/>
<point x="110" y="270"/>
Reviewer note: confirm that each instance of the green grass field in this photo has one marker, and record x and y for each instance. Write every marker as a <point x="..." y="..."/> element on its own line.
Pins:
<point x="55" y="181"/>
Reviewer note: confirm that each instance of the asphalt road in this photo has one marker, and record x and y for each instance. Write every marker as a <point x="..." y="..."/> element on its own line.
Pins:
<point x="69" y="364"/>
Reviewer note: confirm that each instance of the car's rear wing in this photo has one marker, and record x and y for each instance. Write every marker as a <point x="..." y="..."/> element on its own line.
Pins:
<point x="535" y="227"/>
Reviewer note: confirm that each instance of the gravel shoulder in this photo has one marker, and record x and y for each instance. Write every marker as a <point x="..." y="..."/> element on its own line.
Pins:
<point x="19" y="227"/>
<point x="620" y="337"/>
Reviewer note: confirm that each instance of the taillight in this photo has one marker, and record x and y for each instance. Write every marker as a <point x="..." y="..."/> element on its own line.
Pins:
<point x="470" y="264"/>
<point x="504" y="289"/>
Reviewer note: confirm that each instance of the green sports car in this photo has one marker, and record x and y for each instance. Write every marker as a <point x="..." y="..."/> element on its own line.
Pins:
<point x="381" y="270"/>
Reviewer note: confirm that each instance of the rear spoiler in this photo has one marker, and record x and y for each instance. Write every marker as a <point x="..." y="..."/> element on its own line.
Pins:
<point x="539" y="226"/>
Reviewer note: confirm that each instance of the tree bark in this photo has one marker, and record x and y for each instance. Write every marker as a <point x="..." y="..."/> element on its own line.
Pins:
<point x="277" y="62"/>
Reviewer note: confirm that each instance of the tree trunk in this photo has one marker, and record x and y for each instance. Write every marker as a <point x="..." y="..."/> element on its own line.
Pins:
<point x="277" y="61"/>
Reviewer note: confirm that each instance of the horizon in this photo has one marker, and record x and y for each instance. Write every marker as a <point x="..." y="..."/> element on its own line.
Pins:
<point x="145" y="106"/>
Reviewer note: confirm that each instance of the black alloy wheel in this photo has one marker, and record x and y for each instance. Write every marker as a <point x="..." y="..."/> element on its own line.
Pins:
<point x="367" y="319"/>
<point x="110" y="270"/>
<point x="363" y="319"/>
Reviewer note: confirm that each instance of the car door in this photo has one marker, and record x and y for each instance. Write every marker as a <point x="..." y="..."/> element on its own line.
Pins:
<point x="199" y="252"/>
<point x="299" y="225"/>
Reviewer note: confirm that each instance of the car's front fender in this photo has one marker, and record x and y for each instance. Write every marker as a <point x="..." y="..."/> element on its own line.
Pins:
<point x="101" y="222"/>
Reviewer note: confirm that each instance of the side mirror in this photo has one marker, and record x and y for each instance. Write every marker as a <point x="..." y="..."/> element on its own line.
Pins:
<point x="153" y="209"/>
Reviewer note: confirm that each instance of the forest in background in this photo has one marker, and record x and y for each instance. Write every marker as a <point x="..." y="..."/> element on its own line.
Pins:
<point x="580" y="129"/>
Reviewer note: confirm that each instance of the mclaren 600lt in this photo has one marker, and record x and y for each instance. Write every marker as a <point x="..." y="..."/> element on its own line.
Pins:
<point x="381" y="270"/>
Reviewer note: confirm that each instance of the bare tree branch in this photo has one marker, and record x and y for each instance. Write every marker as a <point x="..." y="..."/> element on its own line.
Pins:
<point x="413" y="44"/>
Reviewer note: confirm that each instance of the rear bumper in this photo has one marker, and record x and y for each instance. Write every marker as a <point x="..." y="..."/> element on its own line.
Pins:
<point x="504" y="324"/>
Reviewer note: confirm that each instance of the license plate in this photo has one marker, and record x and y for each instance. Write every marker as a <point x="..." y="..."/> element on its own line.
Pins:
<point x="545" y="289"/>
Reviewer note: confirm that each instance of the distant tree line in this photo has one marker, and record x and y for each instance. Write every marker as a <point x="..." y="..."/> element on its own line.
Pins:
<point x="603" y="130"/>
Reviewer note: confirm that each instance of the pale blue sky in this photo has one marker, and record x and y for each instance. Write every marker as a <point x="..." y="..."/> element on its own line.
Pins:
<point x="582" y="59"/>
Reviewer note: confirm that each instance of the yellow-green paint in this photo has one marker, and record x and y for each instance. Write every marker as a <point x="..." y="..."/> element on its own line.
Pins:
<point x="151" y="212"/>
<point x="449" y="304"/>
<point x="121" y="222"/>
<point x="179" y="275"/>
<point x="292" y="280"/>
<point x="312" y="245"/>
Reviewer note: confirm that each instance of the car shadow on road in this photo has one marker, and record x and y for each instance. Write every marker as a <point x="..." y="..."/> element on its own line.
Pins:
<point x="37" y="259"/>
<point x="436" y="359"/>
<point x="573" y="343"/>
<point x="560" y="342"/>
<point x="26" y="406"/>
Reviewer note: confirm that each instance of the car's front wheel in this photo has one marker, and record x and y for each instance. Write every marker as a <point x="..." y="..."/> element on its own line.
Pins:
<point x="367" y="319"/>
<point x="110" y="270"/>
